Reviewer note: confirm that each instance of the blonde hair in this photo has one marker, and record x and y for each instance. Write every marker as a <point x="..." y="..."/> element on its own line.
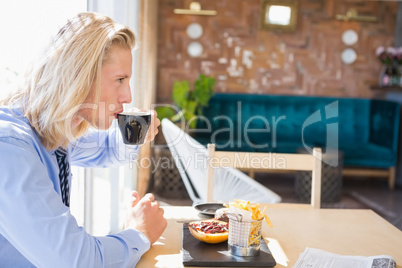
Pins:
<point x="64" y="75"/>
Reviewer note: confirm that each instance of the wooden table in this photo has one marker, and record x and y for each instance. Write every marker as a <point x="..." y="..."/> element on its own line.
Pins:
<point x="342" y="231"/>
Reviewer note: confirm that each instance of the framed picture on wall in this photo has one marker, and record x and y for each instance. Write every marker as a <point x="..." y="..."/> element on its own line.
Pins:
<point x="279" y="15"/>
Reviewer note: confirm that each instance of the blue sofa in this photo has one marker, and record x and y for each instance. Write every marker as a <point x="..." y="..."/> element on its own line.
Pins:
<point x="366" y="130"/>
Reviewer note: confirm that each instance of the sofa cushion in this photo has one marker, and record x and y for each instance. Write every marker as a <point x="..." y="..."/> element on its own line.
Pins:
<point x="367" y="130"/>
<point x="369" y="155"/>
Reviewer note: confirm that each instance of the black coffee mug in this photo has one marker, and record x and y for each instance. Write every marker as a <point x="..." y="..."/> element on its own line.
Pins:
<point x="134" y="126"/>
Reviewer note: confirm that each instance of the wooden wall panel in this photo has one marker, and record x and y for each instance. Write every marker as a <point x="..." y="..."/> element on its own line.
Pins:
<point x="243" y="58"/>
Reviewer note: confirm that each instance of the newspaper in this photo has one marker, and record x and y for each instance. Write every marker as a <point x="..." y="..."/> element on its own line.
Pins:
<point x="312" y="258"/>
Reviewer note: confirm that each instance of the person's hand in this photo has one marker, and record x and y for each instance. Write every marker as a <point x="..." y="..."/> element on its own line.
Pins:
<point x="146" y="216"/>
<point x="153" y="127"/>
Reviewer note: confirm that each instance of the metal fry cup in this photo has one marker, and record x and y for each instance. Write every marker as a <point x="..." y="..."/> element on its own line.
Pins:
<point x="244" y="236"/>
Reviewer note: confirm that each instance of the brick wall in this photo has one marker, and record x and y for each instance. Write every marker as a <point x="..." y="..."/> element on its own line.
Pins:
<point x="244" y="58"/>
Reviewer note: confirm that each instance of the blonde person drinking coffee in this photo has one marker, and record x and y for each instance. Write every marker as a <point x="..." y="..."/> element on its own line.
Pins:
<point x="61" y="117"/>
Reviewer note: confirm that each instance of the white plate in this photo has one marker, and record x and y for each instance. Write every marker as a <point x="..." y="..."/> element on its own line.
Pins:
<point x="349" y="37"/>
<point x="194" y="49"/>
<point x="194" y="30"/>
<point x="208" y="208"/>
<point x="348" y="56"/>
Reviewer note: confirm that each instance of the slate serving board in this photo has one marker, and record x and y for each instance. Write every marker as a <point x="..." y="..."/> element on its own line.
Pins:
<point x="197" y="253"/>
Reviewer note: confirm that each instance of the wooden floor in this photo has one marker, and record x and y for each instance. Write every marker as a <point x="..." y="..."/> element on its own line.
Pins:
<point x="357" y="192"/>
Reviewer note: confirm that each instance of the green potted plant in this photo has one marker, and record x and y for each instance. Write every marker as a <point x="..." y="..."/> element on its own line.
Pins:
<point x="187" y="106"/>
<point x="189" y="102"/>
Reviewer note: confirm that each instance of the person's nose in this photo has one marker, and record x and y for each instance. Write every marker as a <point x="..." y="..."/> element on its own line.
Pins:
<point x="125" y="97"/>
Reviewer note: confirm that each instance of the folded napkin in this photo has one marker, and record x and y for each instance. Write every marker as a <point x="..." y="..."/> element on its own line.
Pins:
<point x="239" y="230"/>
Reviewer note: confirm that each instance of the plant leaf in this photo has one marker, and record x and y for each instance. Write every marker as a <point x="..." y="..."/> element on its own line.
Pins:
<point x="178" y="117"/>
<point x="192" y="102"/>
<point x="203" y="89"/>
<point x="191" y="106"/>
<point x="180" y="93"/>
<point x="165" y="112"/>
<point x="191" y="118"/>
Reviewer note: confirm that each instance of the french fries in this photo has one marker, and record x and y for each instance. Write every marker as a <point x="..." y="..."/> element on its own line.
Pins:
<point x="254" y="208"/>
<point x="256" y="215"/>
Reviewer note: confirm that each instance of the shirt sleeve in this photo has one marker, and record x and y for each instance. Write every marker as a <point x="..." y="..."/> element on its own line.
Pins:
<point x="102" y="149"/>
<point x="36" y="222"/>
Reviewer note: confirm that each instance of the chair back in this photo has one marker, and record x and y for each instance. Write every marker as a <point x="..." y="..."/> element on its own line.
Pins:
<point x="266" y="162"/>
<point x="191" y="159"/>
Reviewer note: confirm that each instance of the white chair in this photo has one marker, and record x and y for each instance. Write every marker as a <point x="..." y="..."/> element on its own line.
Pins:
<point x="191" y="159"/>
<point x="264" y="162"/>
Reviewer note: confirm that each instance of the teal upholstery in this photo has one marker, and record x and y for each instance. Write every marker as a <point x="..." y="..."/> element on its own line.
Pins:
<point x="365" y="130"/>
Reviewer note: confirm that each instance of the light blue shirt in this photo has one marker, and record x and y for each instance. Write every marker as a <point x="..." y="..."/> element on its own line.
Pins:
<point x="36" y="228"/>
